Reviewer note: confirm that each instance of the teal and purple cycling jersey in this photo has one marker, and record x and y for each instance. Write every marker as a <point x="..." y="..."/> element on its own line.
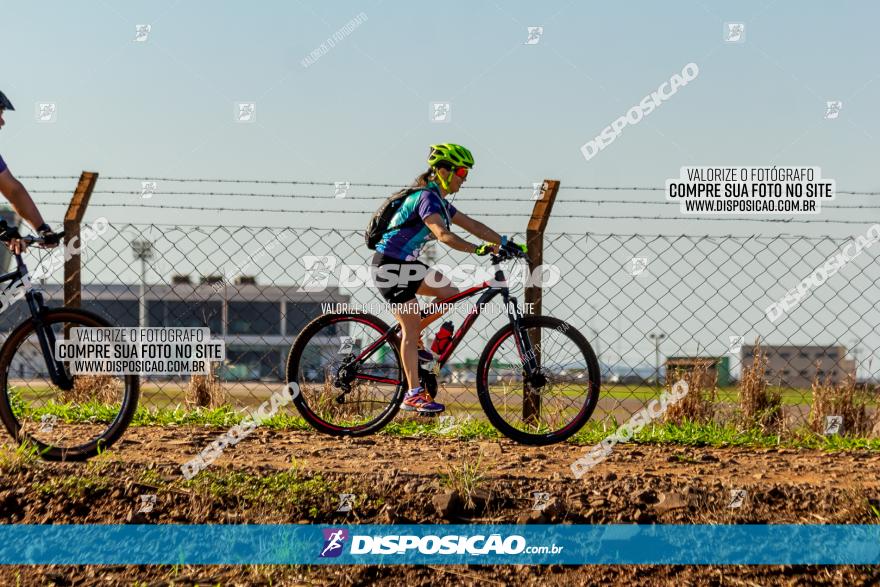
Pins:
<point x="406" y="242"/>
<point x="2" y="164"/>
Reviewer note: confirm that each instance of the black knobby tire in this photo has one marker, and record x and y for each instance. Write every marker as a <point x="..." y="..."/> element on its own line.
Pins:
<point x="79" y="452"/>
<point x="589" y="399"/>
<point x="294" y="360"/>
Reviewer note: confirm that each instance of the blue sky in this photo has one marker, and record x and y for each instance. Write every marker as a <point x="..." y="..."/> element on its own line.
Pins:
<point x="165" y="107"/>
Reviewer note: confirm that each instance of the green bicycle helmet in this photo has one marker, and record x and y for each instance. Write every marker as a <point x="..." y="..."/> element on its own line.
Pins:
<point x="456" y="155"/>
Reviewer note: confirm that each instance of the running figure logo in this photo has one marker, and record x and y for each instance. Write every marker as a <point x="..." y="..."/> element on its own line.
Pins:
<point x="333" y="541"/>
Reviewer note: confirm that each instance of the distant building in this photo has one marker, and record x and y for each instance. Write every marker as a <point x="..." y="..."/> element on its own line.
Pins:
<point x="258" y="322"/>
<point x="717" y="368"/>
<point x="798" y="366"/>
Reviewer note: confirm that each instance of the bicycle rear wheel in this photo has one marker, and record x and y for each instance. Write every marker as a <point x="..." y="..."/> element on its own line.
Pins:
<point x="340" y="395"/>
<point x="71" y="423"/>
<point x="546" y="412"/>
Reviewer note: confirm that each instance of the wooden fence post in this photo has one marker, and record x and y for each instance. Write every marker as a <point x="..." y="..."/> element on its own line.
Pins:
<point x="535" y="242"/>
<point x="72" y="219"/>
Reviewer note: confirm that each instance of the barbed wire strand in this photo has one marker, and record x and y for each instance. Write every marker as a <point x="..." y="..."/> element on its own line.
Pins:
<point x="490" y="214"/>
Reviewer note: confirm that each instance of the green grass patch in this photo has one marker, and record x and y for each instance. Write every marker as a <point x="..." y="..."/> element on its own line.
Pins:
<point x="307" y="495"/>
<point x="461" y="427"/>
<point x="73" y="486"/>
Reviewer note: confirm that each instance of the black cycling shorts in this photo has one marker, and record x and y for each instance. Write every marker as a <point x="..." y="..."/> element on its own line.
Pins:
<point x="395" y="290"/>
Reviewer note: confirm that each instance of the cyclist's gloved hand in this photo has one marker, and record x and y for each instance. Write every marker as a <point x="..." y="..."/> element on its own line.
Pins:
<point x="508" y="244"/>
<point x="7" y="233"/>
<point x="50" y="237"/>
<point x="486" y="248"/>
<point x="10" y="236"/>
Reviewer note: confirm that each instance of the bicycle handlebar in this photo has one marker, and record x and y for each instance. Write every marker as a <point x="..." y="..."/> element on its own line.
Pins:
<point x="509" y="250"/>
<point x="29" y="239"/>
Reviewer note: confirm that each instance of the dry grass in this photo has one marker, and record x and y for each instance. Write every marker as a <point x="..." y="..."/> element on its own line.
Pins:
<point x="105" y="389"/>
<point x="761" y="408"/>
<point x="204" y="390"/>
<point x="699" y="403"/>
<point x="845" y="399"/>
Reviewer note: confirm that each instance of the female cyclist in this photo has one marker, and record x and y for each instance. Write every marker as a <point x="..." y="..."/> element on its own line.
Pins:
<point x="423" y="216"/>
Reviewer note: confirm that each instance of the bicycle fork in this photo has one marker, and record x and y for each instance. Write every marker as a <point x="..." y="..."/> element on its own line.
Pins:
<point x="46" y="339"/>
<point x="530" y="355"/>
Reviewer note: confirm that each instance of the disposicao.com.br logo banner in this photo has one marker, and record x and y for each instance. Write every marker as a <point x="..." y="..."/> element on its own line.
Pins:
<point x="441" y="543"/>
<point x="453" y="544"/>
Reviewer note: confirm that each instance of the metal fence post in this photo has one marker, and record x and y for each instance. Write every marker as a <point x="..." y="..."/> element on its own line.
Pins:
<point x="72" y="219"/>
<point x="533" y="293"/>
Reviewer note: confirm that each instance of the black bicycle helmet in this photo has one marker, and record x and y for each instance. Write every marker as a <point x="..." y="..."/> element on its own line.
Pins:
<point x="5" y="104"/>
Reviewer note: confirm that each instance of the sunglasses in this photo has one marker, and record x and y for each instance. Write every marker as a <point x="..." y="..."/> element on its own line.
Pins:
<point x="461" y="172"/>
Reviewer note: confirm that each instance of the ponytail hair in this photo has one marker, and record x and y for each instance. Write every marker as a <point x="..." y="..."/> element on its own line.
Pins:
<point x="422" y="180"/>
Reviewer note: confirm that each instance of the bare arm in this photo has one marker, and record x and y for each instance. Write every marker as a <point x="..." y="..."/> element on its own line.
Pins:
<point x="20" y="199"/>
<point x="475" y="227"/>
<point x="436" y="225"/>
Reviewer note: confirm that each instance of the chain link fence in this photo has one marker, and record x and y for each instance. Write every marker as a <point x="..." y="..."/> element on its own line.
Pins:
<point x="647" y="304"/>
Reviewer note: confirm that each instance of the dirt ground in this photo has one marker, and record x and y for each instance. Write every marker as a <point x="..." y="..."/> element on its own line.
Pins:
<point x="414" y="480"/>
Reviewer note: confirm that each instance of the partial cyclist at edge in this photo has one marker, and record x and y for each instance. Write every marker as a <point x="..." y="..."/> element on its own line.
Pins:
<point x="21" y="200"/>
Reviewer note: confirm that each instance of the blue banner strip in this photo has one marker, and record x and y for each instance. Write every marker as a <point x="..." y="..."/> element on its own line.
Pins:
<point x="440" y="544"/>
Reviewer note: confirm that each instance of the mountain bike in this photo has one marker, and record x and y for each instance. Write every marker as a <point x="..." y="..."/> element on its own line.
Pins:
<point x="537" y="378"/>
<point x="65" y="417"/>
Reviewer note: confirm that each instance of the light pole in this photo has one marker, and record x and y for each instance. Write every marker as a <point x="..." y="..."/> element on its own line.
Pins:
<point x="143" y="250"/>
<point x="657" y="338"/>
<point x="855" y="353"/>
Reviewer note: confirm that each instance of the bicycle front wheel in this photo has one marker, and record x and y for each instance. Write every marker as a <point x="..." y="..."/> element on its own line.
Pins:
<point x="562" y="397"/>
<point x="71" y="422"/>
<point x="338" y="394"/>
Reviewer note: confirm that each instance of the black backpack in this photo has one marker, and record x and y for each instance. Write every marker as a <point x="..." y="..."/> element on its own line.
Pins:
<point x="380" y="220"/>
